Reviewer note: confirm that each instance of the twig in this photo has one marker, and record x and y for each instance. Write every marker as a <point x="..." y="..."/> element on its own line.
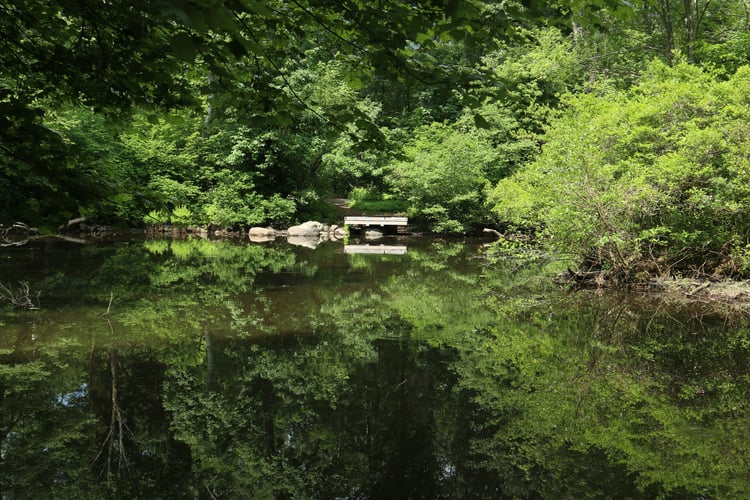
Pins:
<point x="111" y="296"/>
<point x="211" y="493"/>
<point x="492" y="231"/>
<point x="698" y="289"/>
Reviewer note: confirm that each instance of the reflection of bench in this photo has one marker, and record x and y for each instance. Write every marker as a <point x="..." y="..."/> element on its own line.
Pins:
<point x="378" y="249"/>
<point x="375" y="221"/>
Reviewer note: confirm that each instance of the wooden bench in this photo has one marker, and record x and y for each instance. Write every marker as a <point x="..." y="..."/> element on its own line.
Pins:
<point x="375" y="221"/>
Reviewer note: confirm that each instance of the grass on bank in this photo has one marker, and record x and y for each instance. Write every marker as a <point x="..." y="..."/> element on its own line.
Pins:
<point x="371" y="203"/>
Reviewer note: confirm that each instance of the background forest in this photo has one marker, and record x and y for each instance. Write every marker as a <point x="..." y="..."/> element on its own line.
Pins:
<point x="615" y="132"/>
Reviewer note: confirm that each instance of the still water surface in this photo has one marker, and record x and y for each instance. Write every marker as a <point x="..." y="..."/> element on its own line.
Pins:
<point x="217" y="369"/>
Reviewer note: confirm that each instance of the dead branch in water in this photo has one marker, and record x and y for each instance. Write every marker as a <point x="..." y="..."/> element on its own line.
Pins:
<point x="20" y="298"/>
<point x="109" y="306"/>
<point x="17" y="228"/>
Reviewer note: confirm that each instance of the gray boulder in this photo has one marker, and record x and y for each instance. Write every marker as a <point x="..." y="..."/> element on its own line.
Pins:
<point x="261" y="232"/>
<point x="310" y="228"/>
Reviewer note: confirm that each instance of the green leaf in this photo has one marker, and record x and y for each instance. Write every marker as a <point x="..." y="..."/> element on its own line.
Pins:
<point x="481" y="122"/>
<point x="183" y="46"/>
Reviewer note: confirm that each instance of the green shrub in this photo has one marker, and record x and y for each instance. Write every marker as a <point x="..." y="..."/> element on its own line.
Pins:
<point x="181" y="215"/>
<point x="233" y="200"/>
<point x="156" y="217"/>
<point x="447" y="168"/>
<point x="650" y="181"/>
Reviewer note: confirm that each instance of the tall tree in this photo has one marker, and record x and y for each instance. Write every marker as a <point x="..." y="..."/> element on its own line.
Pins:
<point x="109" y="55"/>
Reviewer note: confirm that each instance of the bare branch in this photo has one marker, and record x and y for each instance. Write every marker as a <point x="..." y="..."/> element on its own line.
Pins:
<point x="20" y="298"/>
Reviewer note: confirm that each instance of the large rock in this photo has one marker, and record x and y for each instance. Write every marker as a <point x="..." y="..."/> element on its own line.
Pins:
<point x="310" y="228"/>
<point x="261" y="234"/>
<point x="261" y="231"/>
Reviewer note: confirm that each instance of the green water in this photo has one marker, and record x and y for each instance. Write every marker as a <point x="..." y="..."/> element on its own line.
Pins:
<point x="199" y="369"/>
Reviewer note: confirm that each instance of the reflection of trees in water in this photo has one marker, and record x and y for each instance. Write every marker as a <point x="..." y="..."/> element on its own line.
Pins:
<point x="434" y="379"/>
<point x="629" y="390"/>
<point x="679" y="344"/>
<point x="114" y="442"/>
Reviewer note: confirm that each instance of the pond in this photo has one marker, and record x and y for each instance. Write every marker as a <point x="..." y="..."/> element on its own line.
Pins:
<point x="421" y="369"/>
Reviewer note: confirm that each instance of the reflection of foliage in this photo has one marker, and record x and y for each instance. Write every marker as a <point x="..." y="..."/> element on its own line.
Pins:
<point x="261" y="416"/>
<point x="267" y="372"/>
<point x="554" y="400"/>
<point x="436" y="296"/>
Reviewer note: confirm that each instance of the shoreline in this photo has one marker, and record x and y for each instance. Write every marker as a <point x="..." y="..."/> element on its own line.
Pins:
<point x="688" y="289"/>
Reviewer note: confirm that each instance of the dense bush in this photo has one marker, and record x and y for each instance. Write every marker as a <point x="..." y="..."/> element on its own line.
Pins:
<point x="447" y="169"/>
<point x="653" y="180"/>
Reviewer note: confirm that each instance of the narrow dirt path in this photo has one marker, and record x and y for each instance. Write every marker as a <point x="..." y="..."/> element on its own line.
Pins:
<point x="342" y="204"/>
